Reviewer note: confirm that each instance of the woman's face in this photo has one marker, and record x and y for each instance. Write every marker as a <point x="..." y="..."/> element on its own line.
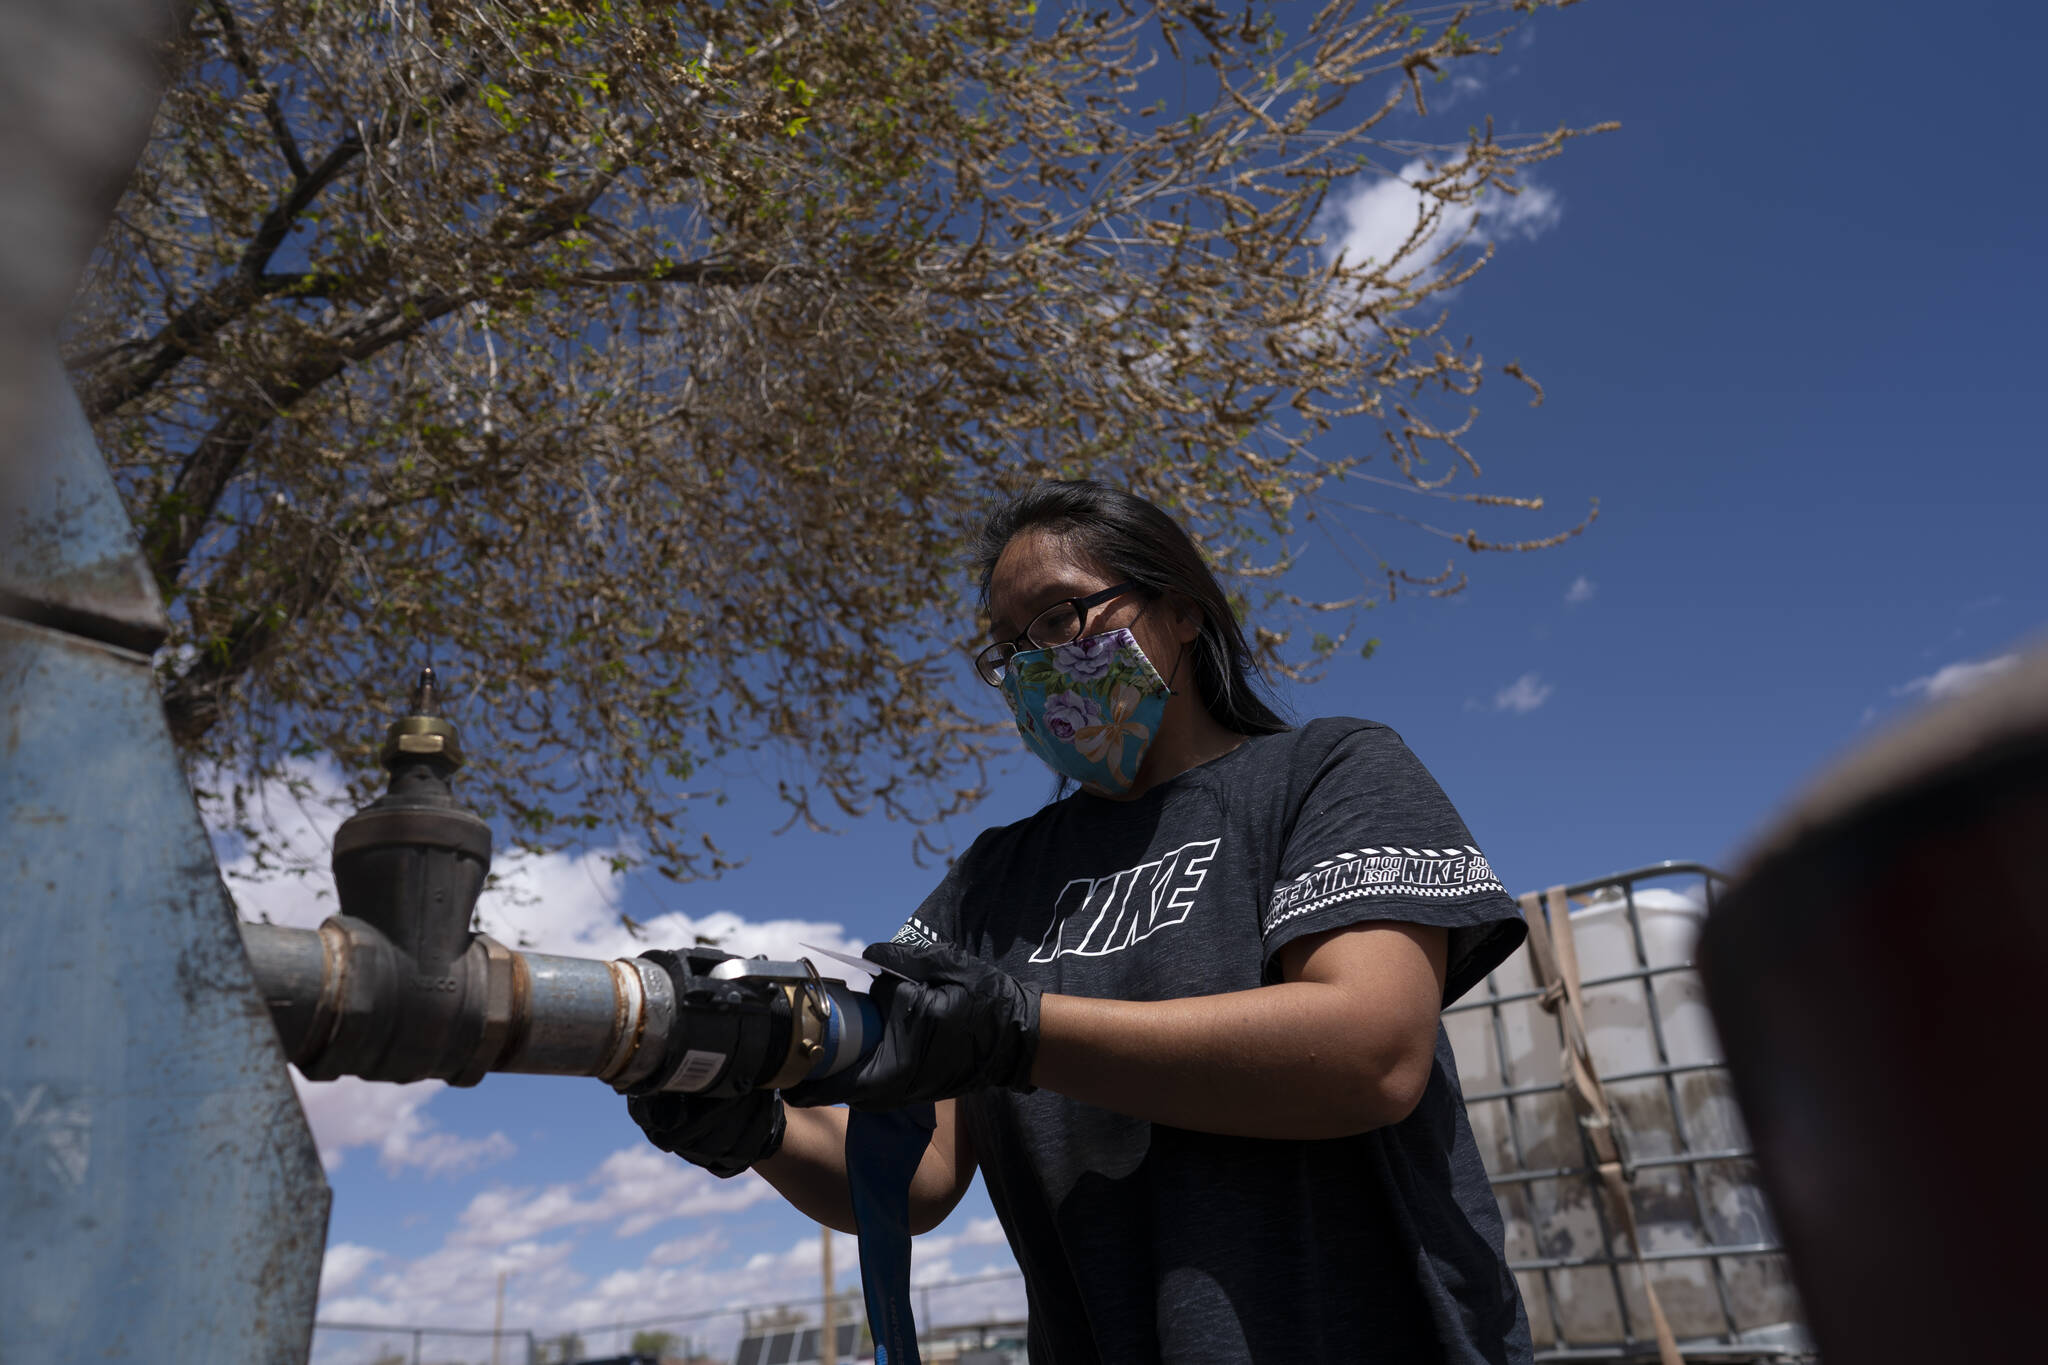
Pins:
<point x="1037" y="569"/>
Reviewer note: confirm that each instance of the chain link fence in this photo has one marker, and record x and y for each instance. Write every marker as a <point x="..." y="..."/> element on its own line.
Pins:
<point x="973" y="1320"/>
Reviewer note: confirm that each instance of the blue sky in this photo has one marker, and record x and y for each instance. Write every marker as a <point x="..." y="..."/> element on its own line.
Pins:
<point x="1786" y="322"/>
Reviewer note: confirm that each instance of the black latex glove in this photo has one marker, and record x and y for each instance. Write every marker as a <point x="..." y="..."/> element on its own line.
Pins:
<point x="957" y="1025"/>
<point x="724" y="1136"/>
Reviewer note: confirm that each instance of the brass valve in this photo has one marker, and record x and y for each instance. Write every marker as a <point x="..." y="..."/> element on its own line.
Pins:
<point x="422" y="731"/>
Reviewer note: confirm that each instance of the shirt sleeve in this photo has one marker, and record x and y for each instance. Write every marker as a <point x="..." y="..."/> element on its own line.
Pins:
<point x="937" y="919"/>
<point x="1375" y="838"/>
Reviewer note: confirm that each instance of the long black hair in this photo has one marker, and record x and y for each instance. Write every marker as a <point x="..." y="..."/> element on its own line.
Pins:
<point x="1132" y="539"/>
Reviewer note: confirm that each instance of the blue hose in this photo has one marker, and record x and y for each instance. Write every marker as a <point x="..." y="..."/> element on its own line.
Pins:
<point x="883" y="1148"/>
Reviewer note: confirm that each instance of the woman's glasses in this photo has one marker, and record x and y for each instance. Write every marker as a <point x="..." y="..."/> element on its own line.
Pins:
<point x="1059" y="624"/>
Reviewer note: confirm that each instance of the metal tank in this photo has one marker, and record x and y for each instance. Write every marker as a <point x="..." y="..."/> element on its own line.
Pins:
<point x="160" y="1195"/>
<point x="1708" y="1240"/>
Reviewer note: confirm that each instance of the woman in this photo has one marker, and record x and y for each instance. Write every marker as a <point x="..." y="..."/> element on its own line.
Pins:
<point x="1184" y="1020"/>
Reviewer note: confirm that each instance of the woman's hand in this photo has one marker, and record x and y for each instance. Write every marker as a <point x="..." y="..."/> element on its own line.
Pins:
<point x="724" y="1136"/>
<point x="956" y="1024"/>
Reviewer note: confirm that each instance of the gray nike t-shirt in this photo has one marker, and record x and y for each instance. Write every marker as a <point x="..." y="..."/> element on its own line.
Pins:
<point x="1142" y="1242"/>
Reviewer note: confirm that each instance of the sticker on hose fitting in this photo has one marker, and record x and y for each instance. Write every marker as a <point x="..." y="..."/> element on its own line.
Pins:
<point x="698" y="1070"/>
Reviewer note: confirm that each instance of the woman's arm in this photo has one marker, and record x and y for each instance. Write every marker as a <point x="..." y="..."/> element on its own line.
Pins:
<point x="1344" y="1043"/>
<point x="810" y="1170"/>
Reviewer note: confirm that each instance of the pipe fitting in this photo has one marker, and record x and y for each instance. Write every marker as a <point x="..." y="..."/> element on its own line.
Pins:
<point x="346" y="1002"/>
<point x="504" y="993"/>
<point x="397" y="987"/>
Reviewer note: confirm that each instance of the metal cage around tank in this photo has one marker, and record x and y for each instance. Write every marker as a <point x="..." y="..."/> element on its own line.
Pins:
<point x="1709" y="1242"/>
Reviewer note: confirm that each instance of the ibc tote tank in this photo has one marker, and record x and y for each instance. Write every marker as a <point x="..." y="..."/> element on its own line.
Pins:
<point x="1712" y="1249"/>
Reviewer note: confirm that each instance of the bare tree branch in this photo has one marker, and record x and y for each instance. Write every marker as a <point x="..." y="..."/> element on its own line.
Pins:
<point x="252" y="75"/>
<point x="107" y="392"/>
<point x="445" y="385"/>
<point x="187" y="511"/>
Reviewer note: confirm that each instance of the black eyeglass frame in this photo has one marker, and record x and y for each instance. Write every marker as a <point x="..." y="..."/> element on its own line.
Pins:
<point x="996" y="658"/>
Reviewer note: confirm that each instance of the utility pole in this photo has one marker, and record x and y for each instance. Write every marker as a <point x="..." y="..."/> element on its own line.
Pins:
<point x="828" y="1340"/>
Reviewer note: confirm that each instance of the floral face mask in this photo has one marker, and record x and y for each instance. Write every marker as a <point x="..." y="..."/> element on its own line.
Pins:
<point x="1090" y="709"/>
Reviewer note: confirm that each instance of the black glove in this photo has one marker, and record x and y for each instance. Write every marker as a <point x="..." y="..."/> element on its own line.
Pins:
<point x="957" y="1025"/>
<point x="723" y="1136"/>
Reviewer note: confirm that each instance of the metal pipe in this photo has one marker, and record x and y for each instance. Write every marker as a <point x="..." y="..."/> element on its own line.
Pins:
<point x="1511" y="997"/>
<point x="1644" y="1074"/>
<point x="589" y="1018"/>
<point x="291" y="971"/>
<point x="397" y="988"/>
<point x="343" y="997"/>
<point x="561" y="1016"/>
<point x="1675" y="1254"/>
<point x="1640" y="1163"/>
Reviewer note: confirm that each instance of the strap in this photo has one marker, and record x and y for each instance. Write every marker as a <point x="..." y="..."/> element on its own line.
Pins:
<point x="1555" y="952"/>
<point x="1541" y="954"/>
<point x="883" y="1148"/>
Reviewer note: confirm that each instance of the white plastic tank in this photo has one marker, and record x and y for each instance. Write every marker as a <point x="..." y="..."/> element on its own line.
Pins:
<point x="1644" y="1028"/>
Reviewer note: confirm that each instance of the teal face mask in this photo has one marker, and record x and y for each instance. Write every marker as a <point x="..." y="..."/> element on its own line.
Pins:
<point x="1089" y="709"/>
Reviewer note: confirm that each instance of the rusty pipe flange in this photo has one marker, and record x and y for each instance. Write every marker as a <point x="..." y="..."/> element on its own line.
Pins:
<point x="505" y="992"/>
<point x="644" y="1020"/>
<point x="333" y="990"/>
<point x="629" y="1018"/>
<point x="361" y="988"/>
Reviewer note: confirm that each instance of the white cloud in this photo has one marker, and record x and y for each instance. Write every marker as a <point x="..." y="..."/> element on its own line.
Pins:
<point x="931" y="1256"/>
<point x="634" y="1189"/>
<point x="299" y="813"/>
<point x="979" y="1232"/>
<point x="457" y="1287"/>
<point x="546" y="1292"/>
<point x="1375" y="221"/>
<point x="565" y="903"/>
<point x="344" y="1263"/>
<point x="569" y="904"/>
<point x="348" y="1112"/>
<point x="684" y="1250"/>
<point x="1955" y="679"/>
<point x="1444" y="96"/>
<point x="1523" y="695"/>
<point x="993" y="1295"/>
<point x="1581" y="590"/>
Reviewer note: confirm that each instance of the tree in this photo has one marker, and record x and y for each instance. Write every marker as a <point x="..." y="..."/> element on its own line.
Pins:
<point x="563" y="1349"/>
<point x="650" y="365"/>
<point x="655" y="1344"/>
